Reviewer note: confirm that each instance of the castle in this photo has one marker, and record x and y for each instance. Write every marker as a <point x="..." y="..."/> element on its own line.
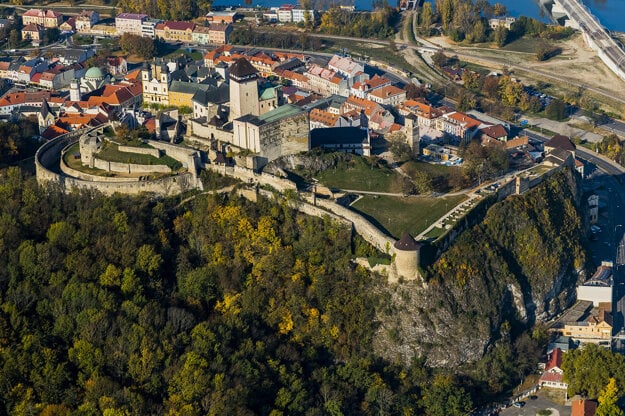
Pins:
<point x="255" y="122"/>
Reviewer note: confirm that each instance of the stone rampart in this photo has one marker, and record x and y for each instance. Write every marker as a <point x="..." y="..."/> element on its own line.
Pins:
<point x="188" y="157"/>
<point x="368" y="231"/>
<point x="129" y="167"/>
<point x="92" y="178"/>
<point x="140" y="150"/>
<point x="48" y="169"/>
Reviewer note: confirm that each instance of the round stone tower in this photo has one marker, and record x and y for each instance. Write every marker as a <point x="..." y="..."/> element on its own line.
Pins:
<point x="407" y="257"/>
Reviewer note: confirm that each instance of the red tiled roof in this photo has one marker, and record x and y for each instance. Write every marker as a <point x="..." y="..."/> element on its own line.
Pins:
<point x="555" y="361"/>
<point x="551" y="377"/>
<point x="53" y="131"/>
<point x="178" y="25"/>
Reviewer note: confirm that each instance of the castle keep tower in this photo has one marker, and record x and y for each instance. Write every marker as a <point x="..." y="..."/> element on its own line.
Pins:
<point x="243" y="89"/>
<point x="407" y="257"/>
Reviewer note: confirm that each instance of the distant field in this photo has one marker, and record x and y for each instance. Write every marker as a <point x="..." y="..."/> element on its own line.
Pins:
<point x="412" y="214"/>
<point x="359" y="175"/>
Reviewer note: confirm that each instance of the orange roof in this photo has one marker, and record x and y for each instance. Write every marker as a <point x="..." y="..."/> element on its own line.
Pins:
<point x="387" y="91"/>
<point x="466" y="121"/>
<point x="53" y="131"/>
<point x="395" y="127"/>
<point x="324" y="117"/>
<point x="150" y="124"/>
<point x="582" y="407"/>
<point x="376" y="81"/>
<point x="136" y="74"/>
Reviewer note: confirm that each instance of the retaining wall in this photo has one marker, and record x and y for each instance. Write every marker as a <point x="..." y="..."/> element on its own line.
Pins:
<point x="129" y="167"/>
<point x="140" y="150"/>
<point x="48" y="169"/>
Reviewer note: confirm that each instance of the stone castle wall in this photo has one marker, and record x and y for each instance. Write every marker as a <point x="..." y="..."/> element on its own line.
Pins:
<point x="140" y="150"/>
<point x="129" y="167"/>
<point x="48" y="169"/>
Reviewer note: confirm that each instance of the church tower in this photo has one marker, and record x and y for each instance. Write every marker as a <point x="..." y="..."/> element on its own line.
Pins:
<point x="243" y="89"/>
<point x="74" y="90"/>
<point x="45" y="117"/>
<point x="411" y="129"/>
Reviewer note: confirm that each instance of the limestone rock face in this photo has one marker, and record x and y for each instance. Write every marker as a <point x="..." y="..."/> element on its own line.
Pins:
<point x="519" y="265"/>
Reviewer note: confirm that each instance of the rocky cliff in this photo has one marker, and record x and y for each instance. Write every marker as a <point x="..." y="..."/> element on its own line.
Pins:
<point x="519" y="265"/>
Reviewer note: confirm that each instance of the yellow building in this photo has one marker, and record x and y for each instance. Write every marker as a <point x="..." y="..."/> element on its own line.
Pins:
<point x="181" y="93"/>
<point x="175" y="31"/>
<point x="597" y="328"/>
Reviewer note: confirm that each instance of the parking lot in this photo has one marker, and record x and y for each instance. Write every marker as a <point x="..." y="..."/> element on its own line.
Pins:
<point x="541" y="402"/>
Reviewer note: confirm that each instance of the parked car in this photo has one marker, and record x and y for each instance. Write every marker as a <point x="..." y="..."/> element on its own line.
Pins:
<point x="518" y="404"/>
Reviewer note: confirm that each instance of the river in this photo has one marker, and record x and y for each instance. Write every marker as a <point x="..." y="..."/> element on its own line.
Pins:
<point x="609" y="12"/>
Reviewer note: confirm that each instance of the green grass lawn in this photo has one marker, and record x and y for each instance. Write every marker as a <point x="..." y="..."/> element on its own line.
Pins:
<point x="111" y="153"/>
<point x="524" y="44"/>
<point x="430" y="168"/>
<point x="412" y="214"/>
<point x="358" y="175"/>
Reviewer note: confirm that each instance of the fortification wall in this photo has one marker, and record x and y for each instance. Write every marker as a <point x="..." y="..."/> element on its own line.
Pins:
<point x="171" y="185"/>
<point x="92" y="178"/>
<point x="140" y="150"/>
<point x="249" y="176"/>
<point x="129" y="167"/>
<point x="363" y="227"/>
<point x="49" y="169"/>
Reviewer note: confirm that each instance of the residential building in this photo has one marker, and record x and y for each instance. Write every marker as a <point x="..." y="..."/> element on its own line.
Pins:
<point x="560" y="142"/>
<point x="130" y="23"/>
<point x="388" y="95"/>
<point x="493" y="134"/>
<point x="86" y="20"/>
<point x="33" y="32"/>
<point x="148" y="27"/>
<point x="45" y="18"/>
<point x="14" y="100"/>
<point x="553" y="374"/>
<point x="175" y="31"/>
<point x="361" y="89"/>
<point x="459" y="126"/>
<point x="68" y="26"/>
<point x="285" y="13"/>
<point x="497" y="22"/>
<point x="300" y="15"/>
<point x="323" y="119"/>
<point x="56" y="77"/>
<point x="352" y="71"/>
<point x="116" y="65"/>
<point x="326" y="81"/>
<point x="426" y="114"/>
<point x="219" y="33"/>
<point x="201" y="35"/>
<point x="597" y="328"/>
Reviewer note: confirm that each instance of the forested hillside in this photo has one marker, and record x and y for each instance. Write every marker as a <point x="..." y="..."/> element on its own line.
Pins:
<point x="122" y="306"/>
<point x="132" y="306"/>
<point x="514" y="269"/>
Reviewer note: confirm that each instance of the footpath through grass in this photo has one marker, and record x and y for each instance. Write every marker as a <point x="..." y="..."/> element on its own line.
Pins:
<point x="399" y="214"/>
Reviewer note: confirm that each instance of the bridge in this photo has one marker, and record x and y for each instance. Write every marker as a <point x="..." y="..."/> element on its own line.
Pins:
<point x="598" y="38"/>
